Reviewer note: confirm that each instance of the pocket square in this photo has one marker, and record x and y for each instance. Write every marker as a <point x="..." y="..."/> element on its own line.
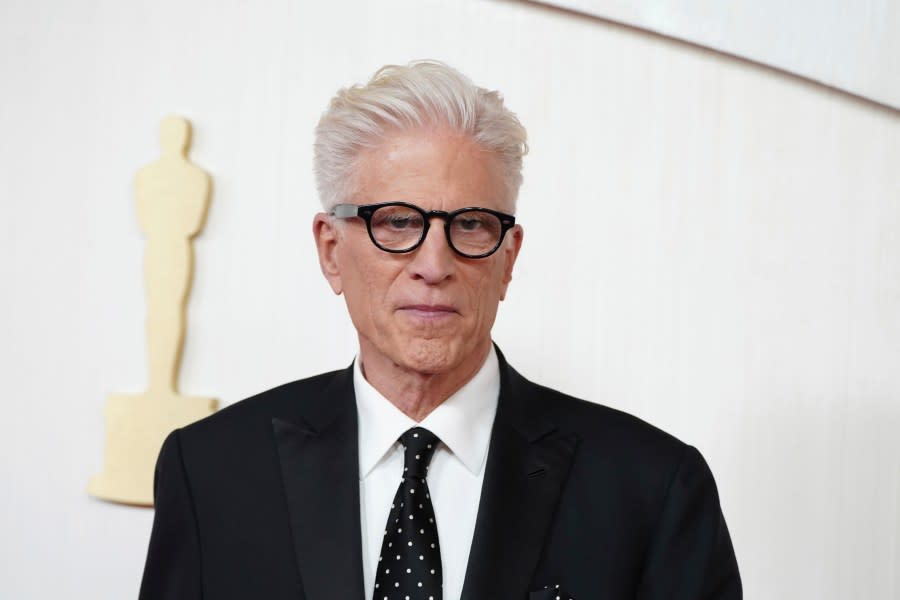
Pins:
<point x="549" y="592"/>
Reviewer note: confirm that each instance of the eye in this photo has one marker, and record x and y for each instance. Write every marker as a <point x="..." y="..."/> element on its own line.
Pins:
<point x="399" y="221"/>
<point x="395" y="218"/>
<point x="469" y="223"/>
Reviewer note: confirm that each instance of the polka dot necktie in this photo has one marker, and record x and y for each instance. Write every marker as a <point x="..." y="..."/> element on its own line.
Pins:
<point x="409" y="567"/>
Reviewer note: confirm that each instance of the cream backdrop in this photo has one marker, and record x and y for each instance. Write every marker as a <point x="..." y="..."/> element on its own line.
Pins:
<point x="853" y="45"/>
<point x="709" y="245"/>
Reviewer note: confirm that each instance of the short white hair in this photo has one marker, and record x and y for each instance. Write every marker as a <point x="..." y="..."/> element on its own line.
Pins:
<point x="421" y="94"/>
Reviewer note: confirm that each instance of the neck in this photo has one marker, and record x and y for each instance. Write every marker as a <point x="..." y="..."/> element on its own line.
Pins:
<point x="416" y="394"/>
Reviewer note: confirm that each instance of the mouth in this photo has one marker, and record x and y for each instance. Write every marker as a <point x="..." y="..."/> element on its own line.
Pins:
<point x="428" y="311"/>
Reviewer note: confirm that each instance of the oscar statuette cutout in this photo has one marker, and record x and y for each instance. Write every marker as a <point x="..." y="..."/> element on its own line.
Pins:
<point x="172" y="202"/>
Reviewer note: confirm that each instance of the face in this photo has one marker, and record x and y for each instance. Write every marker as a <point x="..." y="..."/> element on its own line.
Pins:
<point x="430" y="310"/>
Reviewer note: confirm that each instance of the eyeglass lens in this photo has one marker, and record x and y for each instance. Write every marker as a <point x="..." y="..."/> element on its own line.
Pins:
<point x="399" y="228"/>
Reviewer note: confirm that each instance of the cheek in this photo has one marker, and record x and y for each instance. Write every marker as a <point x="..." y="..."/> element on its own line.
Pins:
<point x="487" y="290"/>
<point x="357" y="285"/>
<point x="374" y="282"/>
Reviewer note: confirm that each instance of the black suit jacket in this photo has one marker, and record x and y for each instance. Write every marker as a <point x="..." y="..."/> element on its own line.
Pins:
<point x="261" y="501"/>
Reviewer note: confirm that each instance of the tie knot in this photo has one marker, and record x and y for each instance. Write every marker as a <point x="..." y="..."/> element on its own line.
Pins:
<point x="419" y="445"/>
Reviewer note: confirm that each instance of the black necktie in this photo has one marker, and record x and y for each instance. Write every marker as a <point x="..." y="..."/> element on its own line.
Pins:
<point x="409" y="567"/>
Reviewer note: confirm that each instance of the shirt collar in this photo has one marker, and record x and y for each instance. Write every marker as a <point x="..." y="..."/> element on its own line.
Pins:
<point x="463" y="421"/>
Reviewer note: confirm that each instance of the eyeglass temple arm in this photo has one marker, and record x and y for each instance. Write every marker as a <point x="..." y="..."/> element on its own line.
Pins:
<point x="345" y="211"/>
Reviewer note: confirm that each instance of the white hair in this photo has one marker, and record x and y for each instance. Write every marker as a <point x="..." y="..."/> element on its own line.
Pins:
<point x="421" y="94"/>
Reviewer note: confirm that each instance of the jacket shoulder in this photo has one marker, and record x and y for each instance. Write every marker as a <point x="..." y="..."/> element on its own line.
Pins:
<point x="595" y="421"/>
<point x="254" y="415"/>
<point x="605" y="435"/>
<point x="614" y="445"/>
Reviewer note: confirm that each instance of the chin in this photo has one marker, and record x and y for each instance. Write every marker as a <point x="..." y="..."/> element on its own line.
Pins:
<point x="431" y="355"/>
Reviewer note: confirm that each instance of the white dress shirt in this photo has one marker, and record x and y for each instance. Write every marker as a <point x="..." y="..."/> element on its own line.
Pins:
<point x="463" y="423"/>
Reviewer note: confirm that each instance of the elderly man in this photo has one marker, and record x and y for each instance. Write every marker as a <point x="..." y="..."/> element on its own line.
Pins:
<point x="429" y="469"/>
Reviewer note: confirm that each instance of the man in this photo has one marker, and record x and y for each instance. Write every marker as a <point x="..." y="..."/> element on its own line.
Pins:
<point x="429" y="468"/>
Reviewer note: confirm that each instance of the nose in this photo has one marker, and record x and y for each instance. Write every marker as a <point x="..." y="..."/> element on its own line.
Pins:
<point x="434" y="260"/>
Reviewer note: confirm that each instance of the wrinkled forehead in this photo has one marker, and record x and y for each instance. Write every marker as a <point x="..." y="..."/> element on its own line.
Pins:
<point x="433" y="168"/>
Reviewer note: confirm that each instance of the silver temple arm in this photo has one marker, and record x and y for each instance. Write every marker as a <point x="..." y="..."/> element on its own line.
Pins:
<point x="345" y="211"/>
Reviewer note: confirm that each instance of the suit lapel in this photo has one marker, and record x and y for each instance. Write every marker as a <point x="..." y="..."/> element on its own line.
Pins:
<point x="528" y="462"/>
<point x="320" y="470"/>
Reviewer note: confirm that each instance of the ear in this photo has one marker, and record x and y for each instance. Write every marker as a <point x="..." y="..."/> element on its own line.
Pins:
<point x="512" y="245"/>
<point x="327" y="236"/>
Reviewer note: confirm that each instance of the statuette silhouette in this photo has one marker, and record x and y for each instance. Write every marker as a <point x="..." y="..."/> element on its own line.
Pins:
<point x="172" y="202"/>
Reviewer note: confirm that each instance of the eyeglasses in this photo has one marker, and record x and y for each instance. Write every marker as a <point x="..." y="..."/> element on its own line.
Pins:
<point x="401" y="227"/>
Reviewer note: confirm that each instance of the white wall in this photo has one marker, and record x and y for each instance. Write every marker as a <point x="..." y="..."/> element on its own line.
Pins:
<point x="853" y="45"/>
<point x="709" y="245"/>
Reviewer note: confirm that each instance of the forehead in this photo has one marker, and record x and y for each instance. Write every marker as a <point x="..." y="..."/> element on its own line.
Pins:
<point x="433" y="168"/>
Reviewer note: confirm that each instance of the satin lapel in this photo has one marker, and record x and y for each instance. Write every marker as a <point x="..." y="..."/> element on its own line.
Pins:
<point x="528" y="463"/>
<point x="320" y="471"/>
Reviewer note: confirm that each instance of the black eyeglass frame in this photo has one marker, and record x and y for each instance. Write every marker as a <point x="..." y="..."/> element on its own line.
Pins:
<point x="365" y="212"/>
